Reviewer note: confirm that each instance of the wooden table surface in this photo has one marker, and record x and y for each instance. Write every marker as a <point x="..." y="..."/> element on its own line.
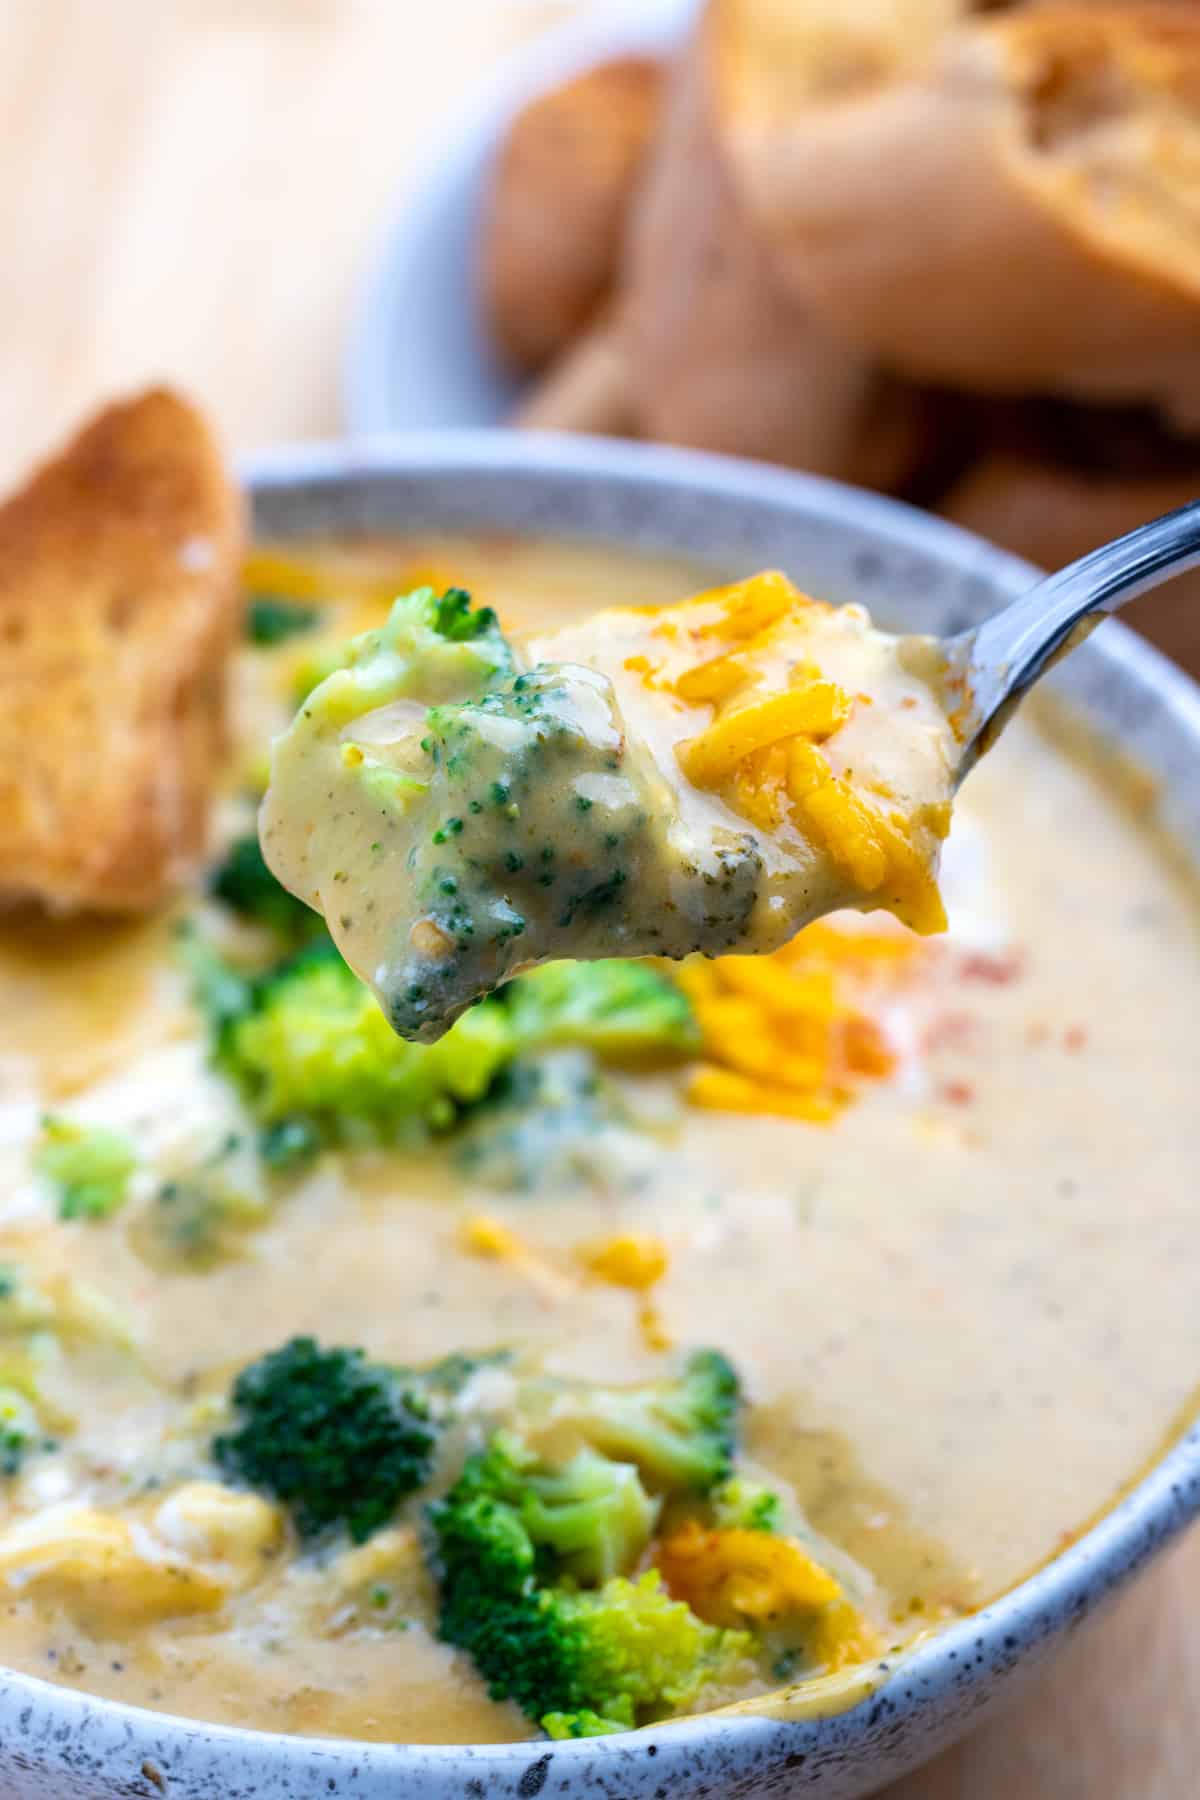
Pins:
<point x="195" y="190"/>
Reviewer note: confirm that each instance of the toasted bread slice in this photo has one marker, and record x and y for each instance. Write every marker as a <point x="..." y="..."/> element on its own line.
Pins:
<point x="556" y="208"/>
<point x="1017" y="212"/>
<point x="119" y="604"/>
<point x="720" y="355"/>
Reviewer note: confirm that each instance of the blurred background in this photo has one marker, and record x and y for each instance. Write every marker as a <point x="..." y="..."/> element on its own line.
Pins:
<point x="949" y="251"/>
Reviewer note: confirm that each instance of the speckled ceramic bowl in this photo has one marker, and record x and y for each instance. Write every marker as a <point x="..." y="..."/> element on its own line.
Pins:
<point x="912" y="571"/>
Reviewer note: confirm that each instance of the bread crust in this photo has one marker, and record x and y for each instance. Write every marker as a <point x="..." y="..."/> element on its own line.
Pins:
<point x="1017" y="214"/>
<point x="119" y="605"/>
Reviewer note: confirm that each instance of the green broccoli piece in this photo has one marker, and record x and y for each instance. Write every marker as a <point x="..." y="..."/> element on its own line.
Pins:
<point x="20" y="1430"/>
<point x="288" y="1142"/>
<point x="642" y="1654"/>
<point x="337" y="1439"/>
<point x="577" y="1660"/>
<point x="442" y="1382"/>
<point x="592" y="1513"/>
<point x="552" y="1123"/>
<point x="221" y="993"/>
<point x="271" y="620"/>
<point x="680" y="1432"/>
<point x="200" y="1217"/>
<point x="243" y="882"/>
<point x="431" y="648"/>
<point x="312" y="1044"/>
<point x="744" y="1505"/>
<point x="88" y="1166"/>
<point x="583" y="1724"/>
<point x="317" y="1061"/>
<point x="456" y="619"/>
<point x="623" y="1010"/>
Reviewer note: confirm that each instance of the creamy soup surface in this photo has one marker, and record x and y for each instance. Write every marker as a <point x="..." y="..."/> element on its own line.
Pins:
<point x="956" y="1276"/>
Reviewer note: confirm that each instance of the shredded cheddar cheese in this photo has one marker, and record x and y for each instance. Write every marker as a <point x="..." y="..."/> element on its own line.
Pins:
<point x="353" y="599"/>
<point x="763" y="749"/>
<point x="488" y="1237"/>
<point x="843" y="1636"/>
<point x="812" y="711"/>
<point x="637" y="1261"/>
<point x="746" y="608"/>
<point x="733" y="1576"/>
<point x="790" y="1034"/>
<point x="737" y="1578"/>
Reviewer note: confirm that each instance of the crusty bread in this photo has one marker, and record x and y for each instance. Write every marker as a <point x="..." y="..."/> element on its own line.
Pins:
<point x="119" y="602"/>
<point x="555" y="212"/>
<point x="1017" y="213"/>
<point x="1054" y="482"/>
<point x="1052" y="509"/>
<point x="720" y="354"/>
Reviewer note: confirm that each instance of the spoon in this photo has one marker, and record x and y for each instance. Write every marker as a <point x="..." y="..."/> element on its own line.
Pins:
<point x="1001" y="659"/>
<point x="583" y="807"/>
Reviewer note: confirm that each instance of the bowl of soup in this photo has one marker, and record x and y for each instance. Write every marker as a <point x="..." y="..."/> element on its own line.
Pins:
<point x="913" y="1216"/>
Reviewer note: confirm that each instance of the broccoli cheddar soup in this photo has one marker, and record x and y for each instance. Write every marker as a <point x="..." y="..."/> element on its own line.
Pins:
<point x="711" y="776"/>
<point x="664" y="1335"/>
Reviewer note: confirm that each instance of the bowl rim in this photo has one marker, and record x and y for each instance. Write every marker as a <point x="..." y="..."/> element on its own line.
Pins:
<point x="1153" y="1509"/>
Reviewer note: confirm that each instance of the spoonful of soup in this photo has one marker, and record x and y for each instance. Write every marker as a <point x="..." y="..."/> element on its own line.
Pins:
<point x="708" y="776"/>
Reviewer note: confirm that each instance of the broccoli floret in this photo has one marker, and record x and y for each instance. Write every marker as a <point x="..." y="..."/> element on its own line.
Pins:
<point x="317" y="1062"/>
<point x="271" y="620"/>
<point x="288" y="1142"/>
<point x="200" y="1217"/>
<point x="593" y="1514"/>
<point x="680" y="1432"/>
<point x="246" y="885"/>
<point x="337" y="1439"/>
<point x="642" y="1654"/>
<point x="20" y="1430"/>
<point x="577" y="1660"/>
<point x="221" y="993"/>
<point x="88" y="1166"/>
<point x="625" y="1011"/>
<point x="554" y="1123"/>
<point x="312" y="1044"/>
<point x="440" y="1383"/>
<point x="40" y="1321"/>
<point x="431" y="647"/>
<point x="744" y="1505"/>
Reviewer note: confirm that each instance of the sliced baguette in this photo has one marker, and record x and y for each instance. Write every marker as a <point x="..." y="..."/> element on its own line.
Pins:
<point x="555" y="212"/>
<point x="119" y="603"/>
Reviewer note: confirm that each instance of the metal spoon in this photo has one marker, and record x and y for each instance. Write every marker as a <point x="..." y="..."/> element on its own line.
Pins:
<point x="1002" y="658"/>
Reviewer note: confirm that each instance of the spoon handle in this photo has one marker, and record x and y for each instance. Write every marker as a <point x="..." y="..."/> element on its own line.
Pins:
<point x="1005" y="655"/>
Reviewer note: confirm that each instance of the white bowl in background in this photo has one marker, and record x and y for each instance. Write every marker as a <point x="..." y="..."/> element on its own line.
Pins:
<point x="419" y="355"/>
